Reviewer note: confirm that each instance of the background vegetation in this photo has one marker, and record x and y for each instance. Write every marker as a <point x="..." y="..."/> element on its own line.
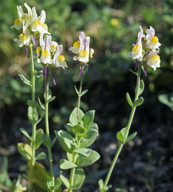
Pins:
<point x="113" y="26"/>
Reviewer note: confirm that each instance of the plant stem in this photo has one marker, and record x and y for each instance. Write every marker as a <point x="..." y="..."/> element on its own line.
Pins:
<point x="33" y="124"/>
<point x="47" y="129"/>
<point x="79" y="95"/>
<point x="126" y="133"/>
<point x="72" y="173"/>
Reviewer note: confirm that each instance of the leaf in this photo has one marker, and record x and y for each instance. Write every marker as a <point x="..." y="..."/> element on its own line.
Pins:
<point x="83" y="161"/>
<point x="49" y="95"/>
<point x="41" y="104"/>
<point x="40" y="176"/>
<point x="65" y="140"/>
<point x="79" y="178"/>
<point x="76" y="90"/>
<point x="25" y="150"/>
<point x="65" y="164"/>
<point x="139" y="102"/>
<point x="101" y="184"/>
<point x="130" y="137"/>
<point x="89" y="136"/>
<point x="121" y="135"/>
<point x="54" y="140"/>
<point x="31" y="103"/>
<point x="38" y="140"/>
<point x="69" y="156"/>
<point x="25" y="133"/>
<point x="73" y="116"/>
<point x="141" y="88"/>
<point x="129" y="101"/>
<point x="25" y="80"/>
<point x="38" y="82"/>
<point x="51" y="99"/>
<point x="32" y="114"/>
<point x="83" y="92"/>
<point x="84" y="151"/>
<point x="64" y="180"/>
<point x="56" y="185"/>
<point x="135" y="73"/>
<point x="45" y="140"/>
<point x="41" y="156"/>
<point x="78" y="130"/>
<point x="88" y="118"/>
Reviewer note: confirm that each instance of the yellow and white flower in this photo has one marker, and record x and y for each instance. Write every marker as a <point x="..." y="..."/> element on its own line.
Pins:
<point x="137" y="49"/>
<point x="38" y="23"/>
<point x="59" y="59"/>
<point x="152" y="40"/>
<point x="81" y="49"/>
<point x="153" y="60"/>
<point x="53" y="46"/>
<point x="24" y="39"/>
<point x="45" y="57"/>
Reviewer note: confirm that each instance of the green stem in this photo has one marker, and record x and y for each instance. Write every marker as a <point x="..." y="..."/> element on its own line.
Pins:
<point x="47" y="129"/>
<point x="72" y="173"/>
<point x="126" y="133"/>
<point x="79" y="96"/>
<point x="33" y="124"/>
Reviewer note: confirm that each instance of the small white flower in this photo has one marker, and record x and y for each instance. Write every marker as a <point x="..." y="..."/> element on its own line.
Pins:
<point x="78" y="45"/>
<point x="53" y="46"/>
<point x="152" y="40"/>
<point x="59" y="59"/>
<point x="83" y="55"/>
<point x="25" y="17"/>
<point x="38" y="23"/>
<point x="45" y="53"/>
<point x="81" y="49"/>
<point x="17" y="24"/>
<point x="24" y="39"/>
<point x="153" y="60"/>
<point x="136" y="52"/>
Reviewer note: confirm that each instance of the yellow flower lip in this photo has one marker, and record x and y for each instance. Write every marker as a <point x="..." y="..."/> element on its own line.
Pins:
<point x="23" y="37"/>
<point x="45" y="26"/>
<point x="155" y="58"/>
<point x="36" y="23"/>
<point x="136" y="49"/>
<point x="45" y="53"/>
<point x="83" y="53"/>
<point x="61" y="58"/>
<point x="76" y="44"/>
<point x="17" y="21"/>
<point x="154" y="40"/>
<point x="38" y="49"/>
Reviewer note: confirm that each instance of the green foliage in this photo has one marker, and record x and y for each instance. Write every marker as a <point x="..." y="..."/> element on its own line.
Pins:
<point x="41" y="179"/>
<point x="167" y="100"/>
<point x="4" y="178"/>
<point x="122" y="136"/>
<point x="82" y="134"/>
<point x="25" y="150"/>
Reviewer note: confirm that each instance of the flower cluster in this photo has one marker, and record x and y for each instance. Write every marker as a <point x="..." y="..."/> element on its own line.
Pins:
<point x="30" y="25"/>
<point x="35" y="31"/>
<point x="147" y="48"/>
<point x="82" y="50"/>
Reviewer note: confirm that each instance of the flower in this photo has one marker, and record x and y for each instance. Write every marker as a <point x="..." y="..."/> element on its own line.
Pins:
<point x="136" y="52"/>
<point x="24" y="39"/>
<point x="81" y="49"/>
<point x="152" y="40"/>
<point x="38" y="23"/>
<point x="153" y="60"/>
<point x="45" y="57"/>
<point x="146" y="50"/>
<point x="59" y="59"/>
